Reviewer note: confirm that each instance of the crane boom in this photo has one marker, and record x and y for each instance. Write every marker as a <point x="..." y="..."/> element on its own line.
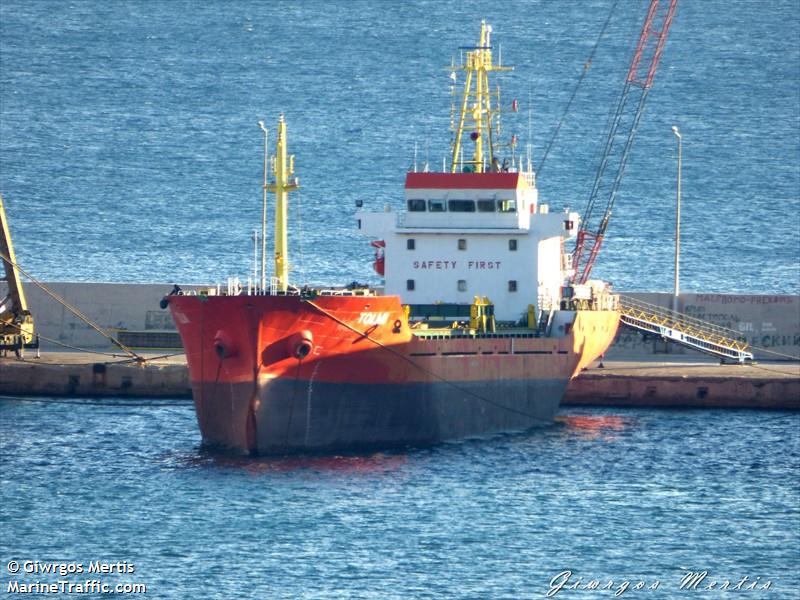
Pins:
<point x="16" y="322"/>
<point x="621" y="133"/>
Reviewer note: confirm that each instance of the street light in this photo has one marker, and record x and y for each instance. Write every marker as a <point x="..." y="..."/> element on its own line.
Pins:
<point x="264" y="215"/>
<point x="678" y="219"/>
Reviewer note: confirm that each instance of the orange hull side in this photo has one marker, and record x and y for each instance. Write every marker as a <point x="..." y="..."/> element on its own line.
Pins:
<point x="593" y="332"/>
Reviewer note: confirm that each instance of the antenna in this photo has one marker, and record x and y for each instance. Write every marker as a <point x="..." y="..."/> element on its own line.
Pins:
<point x="530" y="128"/>
<point x="264" y="212"/>
<point x="255" y="255"/>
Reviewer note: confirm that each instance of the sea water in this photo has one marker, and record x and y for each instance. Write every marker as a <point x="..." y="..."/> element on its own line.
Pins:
<point x="619" y="495"/>
<point x="130" y="151"/>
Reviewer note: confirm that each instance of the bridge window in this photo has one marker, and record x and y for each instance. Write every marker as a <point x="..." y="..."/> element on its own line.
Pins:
<point x="507" y="206"/>
<point x="462" y="244"/>
<point x="411" y="244"/>
<point x="410" y="285"/>
<point x="462" y="285"/>
<point x="416" y="205"/>
<point x="512" y="245"/>
<point x="437" y="206"/>
<point x="461" y="205"/>
<point x="486" y="205"/>
<point x="512" y="285"/>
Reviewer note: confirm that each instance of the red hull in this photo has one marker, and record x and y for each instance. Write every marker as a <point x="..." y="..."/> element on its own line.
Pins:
<point x="247" y="354"/>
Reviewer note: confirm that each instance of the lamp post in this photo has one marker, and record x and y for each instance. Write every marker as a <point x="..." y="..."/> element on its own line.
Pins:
<point x="678" y="219"/>
<point x="264" y="215"/>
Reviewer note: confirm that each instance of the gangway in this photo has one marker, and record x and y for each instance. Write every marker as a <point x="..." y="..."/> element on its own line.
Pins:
<point x="684" y="330"/>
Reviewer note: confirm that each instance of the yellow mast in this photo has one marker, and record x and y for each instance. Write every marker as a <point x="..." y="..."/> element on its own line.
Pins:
<point x="477" y="68"/>
<point x="282" y="186"/>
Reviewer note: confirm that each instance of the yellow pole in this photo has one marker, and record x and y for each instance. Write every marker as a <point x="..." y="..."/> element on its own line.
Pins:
<point x="462" y="116"/>
<point x="477" y="115"/>
<point x="477" y="157"/>
<point x="281" y="187"/>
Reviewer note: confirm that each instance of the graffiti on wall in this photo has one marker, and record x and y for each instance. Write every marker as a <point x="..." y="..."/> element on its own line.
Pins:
<point x="763" y="321"/>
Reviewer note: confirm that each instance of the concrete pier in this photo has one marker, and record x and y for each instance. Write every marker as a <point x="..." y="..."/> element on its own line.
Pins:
<point x="700" y="384"/>
<point x="693" y="384"/>
<point x="87" y="374"/>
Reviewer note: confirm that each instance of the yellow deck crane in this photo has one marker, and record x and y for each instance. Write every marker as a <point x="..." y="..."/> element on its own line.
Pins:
<point x="16" y="321"/>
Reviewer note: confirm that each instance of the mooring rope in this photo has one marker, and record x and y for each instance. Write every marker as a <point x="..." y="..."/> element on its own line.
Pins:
<point x="775" y="352"/>
<point x="433" y="374"/>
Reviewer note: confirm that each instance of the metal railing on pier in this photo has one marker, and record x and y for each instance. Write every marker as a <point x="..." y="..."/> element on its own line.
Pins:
<point x="682" y="329"/>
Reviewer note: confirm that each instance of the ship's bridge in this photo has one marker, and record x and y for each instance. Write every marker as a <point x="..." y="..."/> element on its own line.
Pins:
<point x="473" y="234"/>
<point x="469" y="200"/>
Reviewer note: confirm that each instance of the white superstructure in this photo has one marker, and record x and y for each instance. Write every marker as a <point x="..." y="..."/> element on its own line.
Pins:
<point x="473" y="234"/>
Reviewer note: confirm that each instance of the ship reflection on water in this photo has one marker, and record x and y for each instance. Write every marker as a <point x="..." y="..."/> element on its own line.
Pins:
<point x="598" y="427"/>
<point x="605" y="427"/>
<point x="375" y="463"/>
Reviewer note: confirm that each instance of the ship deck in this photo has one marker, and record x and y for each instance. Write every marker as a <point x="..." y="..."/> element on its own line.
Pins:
<point x="439" y="333"/>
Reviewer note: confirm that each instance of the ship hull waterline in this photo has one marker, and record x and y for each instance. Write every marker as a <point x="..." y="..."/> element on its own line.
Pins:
<point x="365" y="387"/>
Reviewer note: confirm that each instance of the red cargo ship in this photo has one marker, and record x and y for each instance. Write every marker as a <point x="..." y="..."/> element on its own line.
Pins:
<point x="278" y="369"/>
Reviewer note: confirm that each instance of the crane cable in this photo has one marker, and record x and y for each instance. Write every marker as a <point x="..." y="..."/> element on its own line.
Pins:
<point x="585" y="70"/>
<point x="136" y="357"/>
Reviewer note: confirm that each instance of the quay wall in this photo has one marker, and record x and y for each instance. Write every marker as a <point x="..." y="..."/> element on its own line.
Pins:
<point x="53" y="377"/>
<point x="765" y="321"/>
<point x="687" y="385"/>
<point x="645" y="383"/>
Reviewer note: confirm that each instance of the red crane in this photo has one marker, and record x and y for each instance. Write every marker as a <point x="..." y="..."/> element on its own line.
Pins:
<point x="620" y="136"/>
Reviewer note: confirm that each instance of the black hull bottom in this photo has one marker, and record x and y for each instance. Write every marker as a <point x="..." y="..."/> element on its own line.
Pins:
<point x="300" y="417"/>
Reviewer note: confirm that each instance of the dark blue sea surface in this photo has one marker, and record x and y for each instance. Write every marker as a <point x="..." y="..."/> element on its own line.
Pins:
<point x="610" y="494"/>
<point x="129" y="149"/>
